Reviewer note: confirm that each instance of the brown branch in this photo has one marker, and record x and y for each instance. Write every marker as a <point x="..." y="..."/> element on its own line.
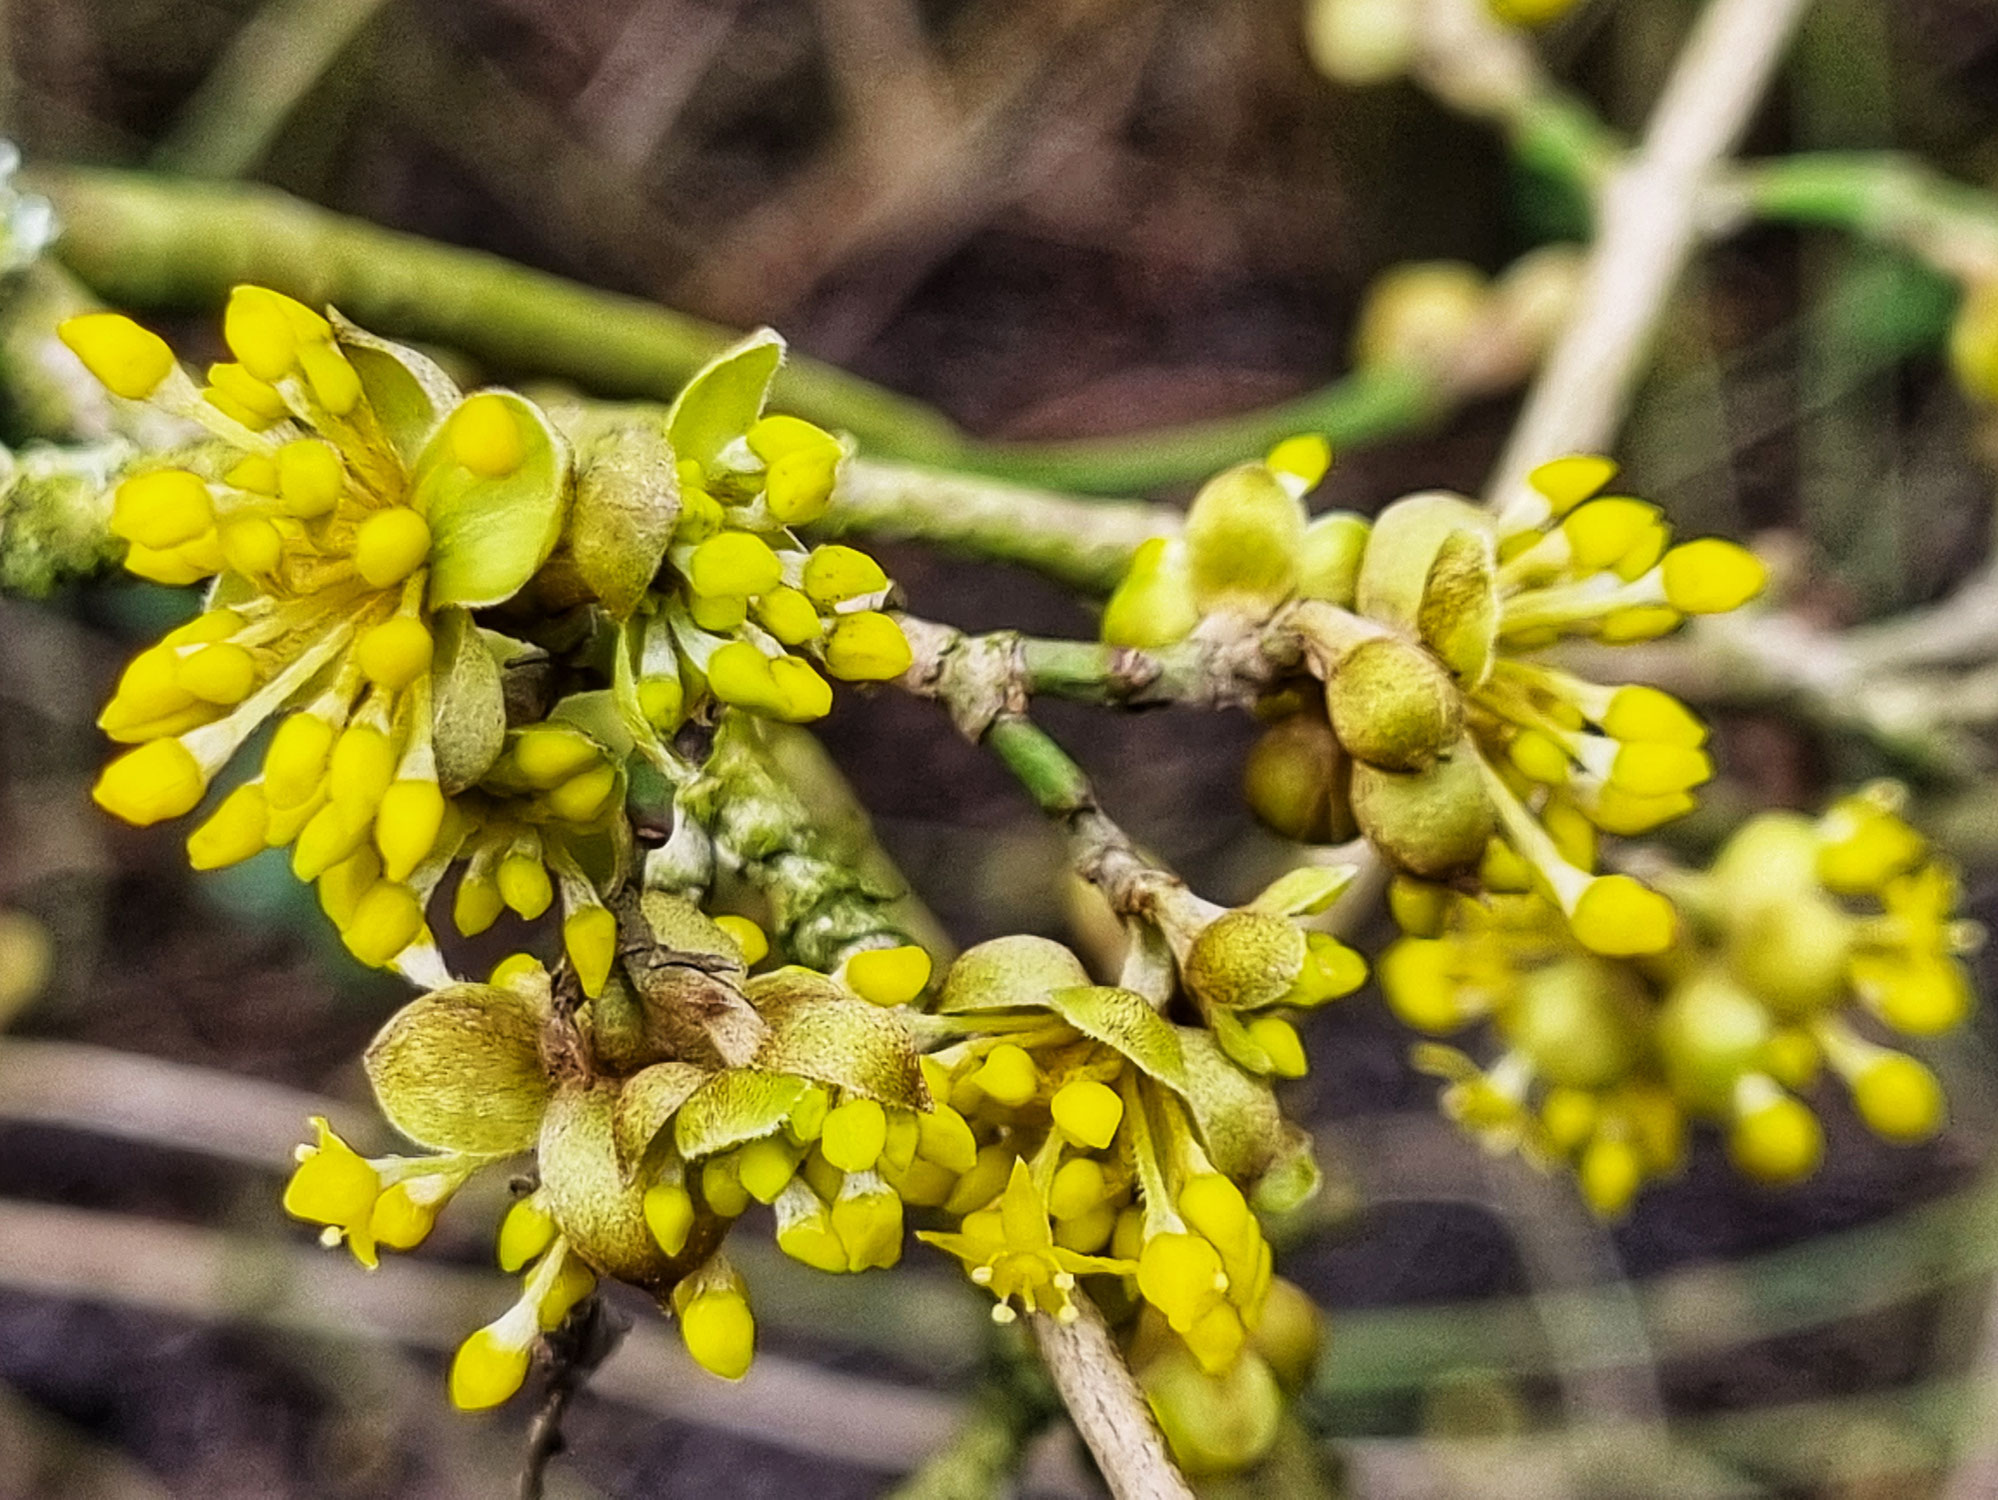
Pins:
<point x="1105" y="1404"/>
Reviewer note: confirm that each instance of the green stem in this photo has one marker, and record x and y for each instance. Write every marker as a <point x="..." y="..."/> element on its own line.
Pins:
<point x="1055" y="782"/>
<point x="1082" y="543"/>
<point x="828" y="894"/>
<point x="143" y="241"/>
<point x="1889" y="198"/>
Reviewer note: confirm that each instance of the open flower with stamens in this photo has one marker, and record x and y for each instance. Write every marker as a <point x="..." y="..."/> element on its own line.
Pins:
<point x="1009" y="1249"/>
<point x="351" y="497"/>
<point x="1803" y="936"/>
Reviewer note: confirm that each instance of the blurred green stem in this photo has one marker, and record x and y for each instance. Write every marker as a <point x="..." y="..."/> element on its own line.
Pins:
<point x="154" y="242"/>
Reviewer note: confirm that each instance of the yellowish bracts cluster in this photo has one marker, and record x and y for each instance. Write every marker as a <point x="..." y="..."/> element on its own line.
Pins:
<point x="1803" y="936"/>
<point x="1436" y="732"/>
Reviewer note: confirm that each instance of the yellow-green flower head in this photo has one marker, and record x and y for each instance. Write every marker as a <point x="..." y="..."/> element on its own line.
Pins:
<point x="742" y="608"/>
<point x="1802" y="936"/>
<point x="353" y="494"/>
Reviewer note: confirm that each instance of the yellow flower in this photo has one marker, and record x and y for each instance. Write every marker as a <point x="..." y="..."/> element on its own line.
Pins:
<point x="334" y="528"/>
<point x="1011" y="1252"/>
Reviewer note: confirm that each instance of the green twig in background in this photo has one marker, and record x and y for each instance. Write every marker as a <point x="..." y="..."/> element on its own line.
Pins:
<point x="277" y="58"/>
<point x="1084" y="544"/>
<point x="149" y="242"/>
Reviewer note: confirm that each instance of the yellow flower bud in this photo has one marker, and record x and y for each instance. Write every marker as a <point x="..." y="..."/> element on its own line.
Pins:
<point x="1300" y="461"/>
<point x="776" y="436"/>
<point x="1610" y="1174"/>
<point x="250" y="545"/>
<point x="589" y="936"/>
<point x="889" y="976"/>
<point x="734" y="562"/>
<point x="310" y="477"/>
<point x="803" y="694"/>
<point x="739" y="674"/>
<point x="333" y="1183"/>
<point x="1973" y="342"/>
<point x="854" y="1134"/>
<point x="490" y="1366"/>
<point x="516" y="968"/>
<point x="156" y="781"/>
<point x="1711" y="576"/>
<point x="385" y="922"/>
<point x="835" y="574"/>
<point x="524" y="885"/>
<point x="261" y="400"/>
<point x="663" y="702"/>
<point x="486" y="436"/>
<point x="1079" y="1188"/>
<point x="1899" y="1098"/>
<point x="943" y="1137"/>
<point x="1618" y="917"/>
<point x="1244" y="532"/>
<point x="1153" y="604"/>
<point x="525" y="1232"/>
<point x="391" y="545"/>
<point x="581" y="799"/>
<point x="789" y="615"/>
<point x="127" y="360"/>
<point x="799" y="486"/>
<point x="162" y="509"/>
<point x="719" y="614"/>
<point x="342" y="887"/>
<point x="1775" y="1138"/>
<point x="747" y="937"/>
<point x="395" y="653"/>
<point x="360" y="770"/>
<point x="720" y="1332"/>
<point x="1008" y="1076"/>
<point x="233" y="832"/>
<point x="765" y="1167"/>
<point x="477" y="904"/>
<point x="259" y="330"/>
<point x="407" y="825"/>
<point x="867" y="647"/>
<point x="295" y="763"/>
<point x="222" y="673"/>
<point x="721" y="1189"/>
<point x="1566" y="482"/>
<point x="669" y="1215"/>
<point x="1279" y="1039"/>
<point x="1088" y="1112"/>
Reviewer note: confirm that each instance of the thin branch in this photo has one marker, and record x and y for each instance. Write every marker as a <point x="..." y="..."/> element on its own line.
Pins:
<point x="1105" y="1405"/>
<point x="1649" y="220"/>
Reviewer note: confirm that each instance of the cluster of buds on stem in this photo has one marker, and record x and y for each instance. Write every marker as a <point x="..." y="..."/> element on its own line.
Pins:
<point x="350" y="510"/>
<point x="1801" y="938"/>
<point x="1431" y="727"/>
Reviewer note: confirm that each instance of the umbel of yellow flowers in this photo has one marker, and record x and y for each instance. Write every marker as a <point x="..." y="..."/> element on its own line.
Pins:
<point x="1039" y="1128"/>
<point x="1801" y="938"/>
<point x="1434" y="730"/>
<point x="350" y="509"/>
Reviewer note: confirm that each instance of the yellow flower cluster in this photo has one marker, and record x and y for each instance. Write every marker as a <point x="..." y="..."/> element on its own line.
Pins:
<point x="1046" y="1129"/>
<point x="749" y="609"/>
<point x="1802" y="935"/>
<point x="350" y="510"/>
<point x="1437" y="733"/>
<point x="310" y="518"/>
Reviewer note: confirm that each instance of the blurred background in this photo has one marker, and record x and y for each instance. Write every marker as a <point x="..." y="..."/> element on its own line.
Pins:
<point x="1046" y="218"/>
